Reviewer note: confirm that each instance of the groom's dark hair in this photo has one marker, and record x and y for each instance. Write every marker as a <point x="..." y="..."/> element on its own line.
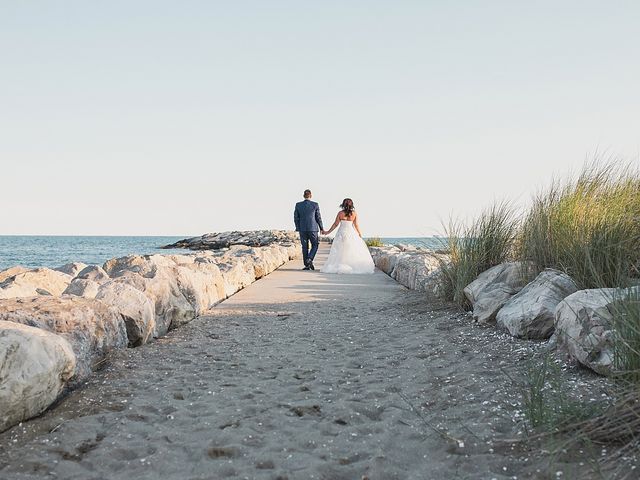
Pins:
<point x="307" y="193"/>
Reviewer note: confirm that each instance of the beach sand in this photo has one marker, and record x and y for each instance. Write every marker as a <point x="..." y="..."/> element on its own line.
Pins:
<point x="301" y="375"/>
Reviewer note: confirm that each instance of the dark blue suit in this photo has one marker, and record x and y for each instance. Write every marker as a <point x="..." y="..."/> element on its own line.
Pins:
<point x="308" y="221"/>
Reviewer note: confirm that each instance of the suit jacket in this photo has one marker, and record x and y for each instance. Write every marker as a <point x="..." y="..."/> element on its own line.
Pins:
<point x="307" y="217"/>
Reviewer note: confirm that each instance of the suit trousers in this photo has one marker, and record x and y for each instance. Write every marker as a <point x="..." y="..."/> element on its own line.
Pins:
<point x="306" y="238"/>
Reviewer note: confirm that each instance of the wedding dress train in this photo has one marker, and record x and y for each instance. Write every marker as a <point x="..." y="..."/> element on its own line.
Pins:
<point x="349" y="253"/>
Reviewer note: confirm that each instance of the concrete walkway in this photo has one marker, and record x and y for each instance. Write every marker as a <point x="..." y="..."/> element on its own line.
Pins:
<point x="302" y="375"/>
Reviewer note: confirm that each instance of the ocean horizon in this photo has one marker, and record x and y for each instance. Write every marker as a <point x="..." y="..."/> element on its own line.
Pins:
<point x="33" y="251"/>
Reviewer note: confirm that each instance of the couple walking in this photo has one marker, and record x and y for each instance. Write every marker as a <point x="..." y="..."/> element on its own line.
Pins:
<point x="349" y="253"/>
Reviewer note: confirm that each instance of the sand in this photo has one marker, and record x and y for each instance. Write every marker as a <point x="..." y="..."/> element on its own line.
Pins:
<point x="301" y="375"/>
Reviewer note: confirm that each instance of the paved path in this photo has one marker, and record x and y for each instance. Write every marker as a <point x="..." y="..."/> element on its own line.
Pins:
<point x="302" y="375"/>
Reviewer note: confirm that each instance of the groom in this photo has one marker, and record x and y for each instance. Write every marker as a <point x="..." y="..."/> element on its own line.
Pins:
<point x="308" y="222"/>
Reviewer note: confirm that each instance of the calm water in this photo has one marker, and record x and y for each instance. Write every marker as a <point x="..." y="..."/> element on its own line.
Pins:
<point x="53" y="251"/>
<point x="45" y="251"/>
<point x="426" y="242"/>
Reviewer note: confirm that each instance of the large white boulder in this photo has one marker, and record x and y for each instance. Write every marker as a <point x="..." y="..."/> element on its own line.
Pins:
<point x="418" y="270"/>
<point x="157" y="278"/>
<point x="413" y="267"/>
<point x="40" y="281"/>
<point x="530" y="313"/>
<point x="203" y="284"/>
<point x="491" y="300"/>
<point x="178" y="291"/>
<point x="171" y="306"/>
<point x="584" y="328"/>
<point x="494" y="287"/>
<point x="92" y="328"/>
<point x="237" y="273"/>
<point x="136" y="309"/>
<point x="385" y="258"/>
<point x="34" y="367"/>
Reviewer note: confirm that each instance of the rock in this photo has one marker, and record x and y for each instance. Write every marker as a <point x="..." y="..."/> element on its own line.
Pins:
<point x="491" y="300"/>
<point x="494" y="287"/>
<point x="171" y="306"/>
<point x="385" y="258"/>
<point x="265" y="260"/>
<point x="182" y="287"/>
<point x="257" y="238"/>
<point x="530" y="313"/>
<point x="237" y="273"/>
<point x="71" y="268"/>
<point x="584" y="328"/>
<point x="82" y="288"/>
<point x="136" y="309"/>
<point x="417" y="269"/>
<point x="93" y="272"/>
<point x="34" y="367"/>
<point x="41" y="281"/>
<point x="145" y="265"/>
<point x="179" y="292"/>
<point x="92" y="328"/>
<point x="513" y="274"/>
<point x="87" y="282"/>
<point x="12" y="272"/>
<point x="202" y="284"/>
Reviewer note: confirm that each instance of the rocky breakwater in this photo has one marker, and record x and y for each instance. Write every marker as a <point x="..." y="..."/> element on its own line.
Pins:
<point x="57" y="327"/>
<point x="416" y="268"/>
<point x="252" y="238"/>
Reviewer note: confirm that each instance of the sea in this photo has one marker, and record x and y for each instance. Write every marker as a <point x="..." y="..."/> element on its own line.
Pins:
<point x="53" y="251"/>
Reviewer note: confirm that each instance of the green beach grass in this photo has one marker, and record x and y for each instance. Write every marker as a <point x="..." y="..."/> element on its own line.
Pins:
<point x="587" y="226"/>
<point x="374" y="242"/>
<point x="476" y="247"/>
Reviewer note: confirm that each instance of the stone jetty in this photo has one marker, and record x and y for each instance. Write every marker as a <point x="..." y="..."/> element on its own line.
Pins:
<point x="251" y="238"/>
<point x="57" y="326"/>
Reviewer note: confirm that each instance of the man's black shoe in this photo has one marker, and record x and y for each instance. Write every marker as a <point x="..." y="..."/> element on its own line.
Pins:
<point x="310" y="265"/>
<point x="306" y="268"/>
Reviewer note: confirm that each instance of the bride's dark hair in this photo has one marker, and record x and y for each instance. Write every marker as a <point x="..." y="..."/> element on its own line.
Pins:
<point x="347" y="206"/>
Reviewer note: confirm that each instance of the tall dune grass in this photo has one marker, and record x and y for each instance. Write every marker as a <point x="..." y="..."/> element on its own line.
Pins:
<point x="476" y="247"/>
<point x="626" y="325"/>
<point x="588" y="227"/>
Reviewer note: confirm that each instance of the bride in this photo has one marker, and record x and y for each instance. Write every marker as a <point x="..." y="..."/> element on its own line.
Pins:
<point x="349" y="253"/>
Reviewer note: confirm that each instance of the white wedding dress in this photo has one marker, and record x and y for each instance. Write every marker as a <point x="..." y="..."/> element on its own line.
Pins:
<point x="349" y="253"/>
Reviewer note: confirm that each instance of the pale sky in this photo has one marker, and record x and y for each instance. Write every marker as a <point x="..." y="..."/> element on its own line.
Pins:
<point x="182" y="117"/>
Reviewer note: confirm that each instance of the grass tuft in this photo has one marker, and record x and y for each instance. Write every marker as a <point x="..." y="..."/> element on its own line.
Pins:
<point x="547" y="403"/>
<point x="374" y="242"/>
<point x="476" y="247"/>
